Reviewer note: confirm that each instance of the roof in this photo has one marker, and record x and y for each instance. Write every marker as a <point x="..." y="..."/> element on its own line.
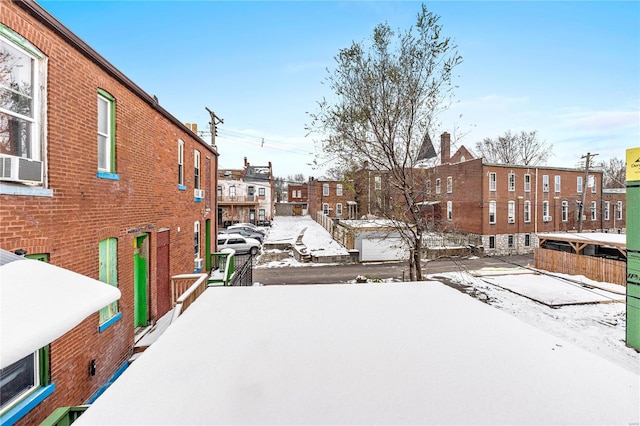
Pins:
<point x="39" y="302"/>
<point x="394" y="353"/>
<point x="596" y="238"/>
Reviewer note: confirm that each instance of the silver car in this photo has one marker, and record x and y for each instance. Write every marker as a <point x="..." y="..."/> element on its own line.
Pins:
<point x="239" y="243"/>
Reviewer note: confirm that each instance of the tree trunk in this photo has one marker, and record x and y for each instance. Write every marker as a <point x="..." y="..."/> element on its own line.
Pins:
<point x="417" y="255"/>
<point x="412" y="268"/>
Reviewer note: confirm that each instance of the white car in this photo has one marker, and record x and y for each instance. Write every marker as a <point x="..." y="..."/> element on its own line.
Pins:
<point x="239" y="243"/>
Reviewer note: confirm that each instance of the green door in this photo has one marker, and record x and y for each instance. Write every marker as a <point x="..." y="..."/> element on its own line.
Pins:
<point x="140" y="281"/>
<point x="207" y="244"/>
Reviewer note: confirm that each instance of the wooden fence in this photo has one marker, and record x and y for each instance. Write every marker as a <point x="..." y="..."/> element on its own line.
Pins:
<point x="595" y="268"/>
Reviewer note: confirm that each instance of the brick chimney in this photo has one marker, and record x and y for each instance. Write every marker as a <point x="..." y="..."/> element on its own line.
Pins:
<point x="445" y="148"/>
<point x="246" y="163"/>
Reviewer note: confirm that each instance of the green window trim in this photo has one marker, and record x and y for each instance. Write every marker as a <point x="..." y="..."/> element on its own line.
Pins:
<point x="108" y="273"/>
<point x="112" y="129"/>
<point x="21" y="41"/>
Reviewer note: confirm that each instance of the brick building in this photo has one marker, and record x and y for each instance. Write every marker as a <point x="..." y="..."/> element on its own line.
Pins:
<point x="331" y="198"/>
<point x="98" y="178"/>
<point x="246" y="195"/>
<point x="298" y="196"/>
<point x="505" y="205"/>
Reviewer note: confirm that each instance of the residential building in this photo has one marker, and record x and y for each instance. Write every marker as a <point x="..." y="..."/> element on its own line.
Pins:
<point x="98" y="178"/>
<point x="298" y="195"/>
<point x="246" y="195"/>
<point x="331" y="198"/>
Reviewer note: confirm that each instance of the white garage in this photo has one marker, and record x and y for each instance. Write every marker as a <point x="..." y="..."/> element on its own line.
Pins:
<point x="380" y="249"/>
<point x="376" y="240"/>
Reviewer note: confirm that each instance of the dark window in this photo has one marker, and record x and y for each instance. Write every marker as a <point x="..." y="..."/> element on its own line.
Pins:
<point x="527" y="240"/>
<point x="492" y="242"/>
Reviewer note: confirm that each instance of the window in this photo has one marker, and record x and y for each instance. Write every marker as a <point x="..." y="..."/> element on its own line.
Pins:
<point x="378" y="202"/>
<point x="108" y="273"/>
<point x="429" y="187"/>
<point x="619" y="210"/>
<point x="527" y="211"/>
<point x="556" y="184"/>
<point x="579" y="184"/>
<point x="593" y="210"/>
<point x="106" y="132"/>
<point x="510" y="240"/>
<point x="545" y="211"/>
<point x="299" y="193"/>
<point x="232" y="191"/>
<point x="22" y="102"/>
<point x="593" y="184"/>
<point x="438" y="186"/>
<point x="219" y="191"/>
<point x="527" y="183"/>
<point x="377" y="181"/>
<point x="196" y="239"/>
<point x="449" y="210"/>
<point x="492" y="241"/>
<point x="339" y="190"/>
<point x="196" y="169"/>
<point x="511" y="212"/>
<point x="261" y="192"/>
<point x="261" y="214"/>
<point x="325" y="208"/>
<point x="607" y="208"/>
<point x="339" y="209"/>
<point x="565" y="211"/>
<point x="545" y="183"/>
<point x="449" y="185"/>
<point x="325" y="189"/>
<point x="180" y="163"/>
<point x="492" y="212"/>
<point x="527" y="240"/>
<point x="512" y="181"/>
<point x="492" y="181"/>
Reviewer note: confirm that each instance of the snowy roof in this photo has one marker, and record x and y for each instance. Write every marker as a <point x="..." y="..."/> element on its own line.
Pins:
<point x="371" y="224"/>
<point x="598" y="238"/>
<point x="405" y="353"/>
<point x="40" y="302"/>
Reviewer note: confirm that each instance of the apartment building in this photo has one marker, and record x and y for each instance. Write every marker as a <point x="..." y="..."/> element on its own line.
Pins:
<point x="331" y="198"/>
<point x="246" y="195"/>
<point x="98" y="178"/>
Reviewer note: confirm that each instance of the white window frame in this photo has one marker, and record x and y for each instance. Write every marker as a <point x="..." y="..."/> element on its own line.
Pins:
<point x="262" y="214"/>
<point x="512" y="182"/>
<point x="557" y="183"/>
<point x="339" y="209"/>
<point x="180" y="162"/>
<point x="377" y="182"/>
<point x="325" y="208"/>
<point x="607" y="210"/>
<point x="545" y="208"/>
<point x="511" y="212"/>
<point x="619" y="212"/>
<point x="449" y="210"/>
<point x="527" y="182"/>
<point x="545" y="183"/>
<point x="492" y="212"/>
<point x="438" y="186"/>
<point x="196" y="170"/>
<point x="325" y="189"/>
<point x="527" y="211"/>
<point x="493" y="181"/>
<point x="565" y="211"/>
<point x="106" y="149"/>
<point x="196" y="239"/>
<point x="339" y="190"/>
<point x="449" y="184"/>
<point x="594" y="210"/>
<point x="579" y="184"/>
<point x="594" y="184"/>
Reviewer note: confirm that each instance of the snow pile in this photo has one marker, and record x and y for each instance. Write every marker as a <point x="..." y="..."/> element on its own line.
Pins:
<point x="316" y="239"/>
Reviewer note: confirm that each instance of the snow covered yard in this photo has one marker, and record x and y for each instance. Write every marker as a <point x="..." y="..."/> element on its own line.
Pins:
<point x="597" y="327"/>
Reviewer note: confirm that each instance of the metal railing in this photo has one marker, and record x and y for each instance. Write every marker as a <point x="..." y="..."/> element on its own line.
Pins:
<point x="244" y="271"/>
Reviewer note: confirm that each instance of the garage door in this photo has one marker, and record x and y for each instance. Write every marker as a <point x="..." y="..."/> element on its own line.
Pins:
<point x="378" y="249"/>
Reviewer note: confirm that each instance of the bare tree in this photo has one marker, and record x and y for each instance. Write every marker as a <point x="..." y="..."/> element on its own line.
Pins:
<point x="614" y="174"/>
<point x="520" y="148"/>
<point x="388" y="94"/>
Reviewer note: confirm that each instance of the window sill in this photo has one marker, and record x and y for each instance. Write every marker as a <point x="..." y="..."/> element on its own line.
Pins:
<point x="108" y="175"/>
<point x="108" y="323"/>
<point x="25" y="190"/>
<point x="26" y="405"/>
<point x="182" y="187"/>
<point x="197" y="200"/>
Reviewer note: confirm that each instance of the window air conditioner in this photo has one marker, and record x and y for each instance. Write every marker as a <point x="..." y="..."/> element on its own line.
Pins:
<point x="198" y="193"/>
<point x="546" y="219"/>
<point x="512" y="220"/>
<point x="18" y="169"/>
<point x="198" y="263"/>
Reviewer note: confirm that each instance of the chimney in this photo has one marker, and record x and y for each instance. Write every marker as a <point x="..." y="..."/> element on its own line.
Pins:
<point x="245" y="162"/>
<point x="445" y="148"/>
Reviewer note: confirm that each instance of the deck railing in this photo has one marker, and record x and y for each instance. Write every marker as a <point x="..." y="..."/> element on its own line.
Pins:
<point x="184" y="291"/>
<point x="64" y="416"/>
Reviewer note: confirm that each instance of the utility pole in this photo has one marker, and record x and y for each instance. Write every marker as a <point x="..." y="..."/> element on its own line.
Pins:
<point x="588" y="157"/>
<point x="215" y="120"/>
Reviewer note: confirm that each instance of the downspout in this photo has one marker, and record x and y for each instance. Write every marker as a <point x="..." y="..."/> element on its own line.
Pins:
<point x="535" y="203"/>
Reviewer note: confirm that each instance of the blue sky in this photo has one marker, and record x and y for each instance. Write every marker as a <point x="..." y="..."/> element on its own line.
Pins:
<point x="570" y="70"/>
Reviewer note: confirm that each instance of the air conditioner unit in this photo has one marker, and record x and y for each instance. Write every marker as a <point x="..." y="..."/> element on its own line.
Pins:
<point x="584" y="217"/>
<point x="512" y="220"/>
<point x="198" y="263"/>
<point x="198" y="193"/>
<point x="546" y="219"/>
<point x="18" y="169"/>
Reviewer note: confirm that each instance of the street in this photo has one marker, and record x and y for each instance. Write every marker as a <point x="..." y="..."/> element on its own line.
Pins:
<point x="338" y="274"/>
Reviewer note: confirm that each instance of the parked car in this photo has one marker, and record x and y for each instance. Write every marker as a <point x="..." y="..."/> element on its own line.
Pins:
<point x="246" y="227"/>
<point x="247" y="234"/>
<point x="249" y="225"/>
<point x="239" y="243"/>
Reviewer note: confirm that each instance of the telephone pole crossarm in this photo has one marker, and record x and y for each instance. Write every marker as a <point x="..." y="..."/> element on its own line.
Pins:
<point x="215" y="120"/>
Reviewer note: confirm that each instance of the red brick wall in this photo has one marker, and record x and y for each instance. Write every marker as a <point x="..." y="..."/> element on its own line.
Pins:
<point x="85" y="209"/>
<point x="317" y="198"/>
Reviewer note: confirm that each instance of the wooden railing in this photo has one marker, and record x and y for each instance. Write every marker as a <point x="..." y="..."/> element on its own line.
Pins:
<point x="595" y="268"/>
<point x="64" y="416"/>
<point x="184" y="291"/>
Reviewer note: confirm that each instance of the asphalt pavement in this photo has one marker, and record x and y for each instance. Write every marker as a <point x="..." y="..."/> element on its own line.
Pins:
<point x="399" y="271"/>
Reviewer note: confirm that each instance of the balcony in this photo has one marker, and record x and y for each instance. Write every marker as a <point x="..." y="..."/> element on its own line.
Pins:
<point x="237" y="200"/>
